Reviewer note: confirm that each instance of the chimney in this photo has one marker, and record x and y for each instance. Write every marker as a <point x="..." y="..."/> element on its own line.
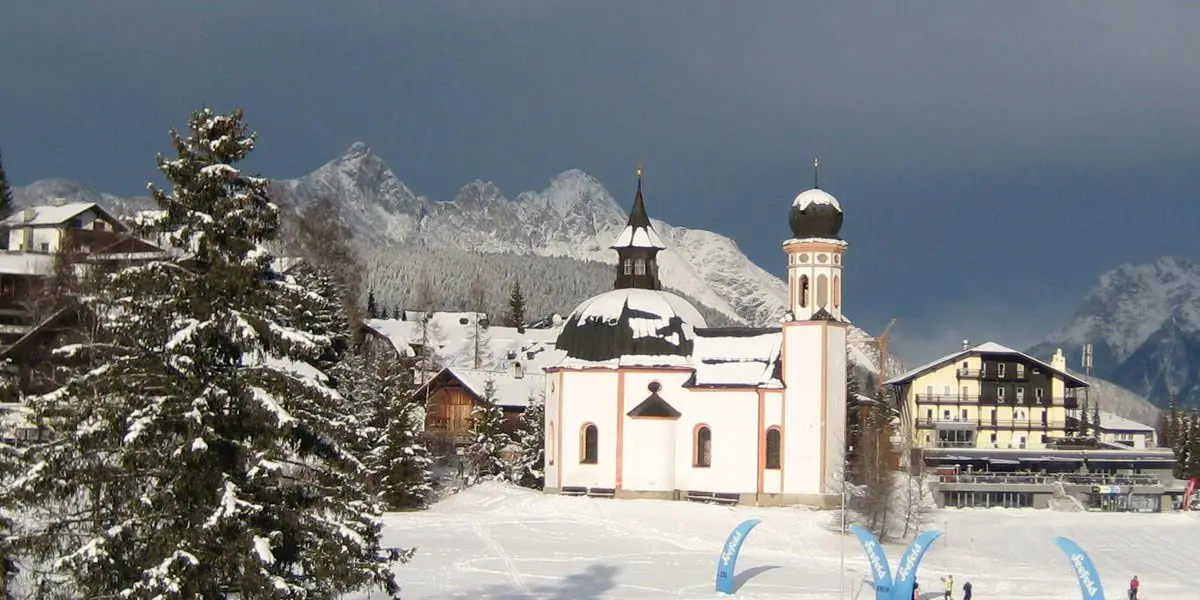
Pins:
<point x="518" y="370"/>
<point x="58" y="202"/>
<point x="28" y="214"/>
<point x="1058" y="361"/>
<point x="966" y="344"/>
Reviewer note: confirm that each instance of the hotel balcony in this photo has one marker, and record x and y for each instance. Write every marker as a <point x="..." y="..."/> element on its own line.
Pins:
<point x="1028" y="400"/>
<point x="992" y="374"/>
<point x="953" y="423"/>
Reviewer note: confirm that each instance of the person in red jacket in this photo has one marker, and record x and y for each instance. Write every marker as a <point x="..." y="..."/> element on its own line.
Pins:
<point x="1133" y="588"/>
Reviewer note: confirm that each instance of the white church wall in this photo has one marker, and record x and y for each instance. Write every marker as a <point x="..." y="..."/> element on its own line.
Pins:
<point x="553" y="423"/>
<point x="802" y="370"/>
<point x="732" y="417"/>
<point x="588" y="397"/>
<point x="835" y="399"/>
<point x="773" y="411"/>
<point x="649" y="461"/>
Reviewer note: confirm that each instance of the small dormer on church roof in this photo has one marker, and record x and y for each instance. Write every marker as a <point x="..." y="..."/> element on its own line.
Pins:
<point x="638" y="233"/>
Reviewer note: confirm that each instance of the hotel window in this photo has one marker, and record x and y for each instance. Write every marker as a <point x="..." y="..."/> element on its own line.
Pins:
<point x="774" y="448"/>
<point x="1000" y="393"/>
<point x="993" y="438"/>
<point x="703" y="454"/>
<point x="1037" y="393"/>
<point x="628" y="266"/>
<point x="1000" y="370"/>
<point x="1020" y="370"/>
<point x="591" y="445"/>
<point x="1020" y="394"/>
<point x="964" y="414"/>
<point x="639" y="267"/>
<point x="929" y="414"/>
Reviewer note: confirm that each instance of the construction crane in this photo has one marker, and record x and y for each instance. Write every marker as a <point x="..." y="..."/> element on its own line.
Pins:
<point x="882" y="340"/>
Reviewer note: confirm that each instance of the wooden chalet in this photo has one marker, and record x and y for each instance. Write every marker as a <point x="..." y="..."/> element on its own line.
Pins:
<point x="451" y="396"/>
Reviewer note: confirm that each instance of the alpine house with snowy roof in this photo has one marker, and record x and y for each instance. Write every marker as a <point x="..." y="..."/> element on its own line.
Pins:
<point x="650" y="402"/>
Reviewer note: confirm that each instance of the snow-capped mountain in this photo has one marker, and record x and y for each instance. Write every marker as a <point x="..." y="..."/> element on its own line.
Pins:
<point x="574" y="217"/>
<point x="1143" y="322"/>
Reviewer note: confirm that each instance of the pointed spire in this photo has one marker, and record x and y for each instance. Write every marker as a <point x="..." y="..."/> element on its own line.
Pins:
<point x="637" y="216"/>
<point x="816" y="174"/>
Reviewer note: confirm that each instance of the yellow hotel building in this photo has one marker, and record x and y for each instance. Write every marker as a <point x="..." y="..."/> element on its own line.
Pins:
<point x="987" y="396"/>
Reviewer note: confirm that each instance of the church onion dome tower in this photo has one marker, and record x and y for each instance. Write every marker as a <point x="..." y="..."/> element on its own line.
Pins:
<point x="816" y="213"/>
<point x="637" y="322"/>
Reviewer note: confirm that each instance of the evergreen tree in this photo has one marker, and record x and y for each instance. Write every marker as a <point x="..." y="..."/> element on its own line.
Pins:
<point x="530" y="465"/>
<point x="1192" y="457"/>
<point x="372" y="306"/>
<point x="189" y="458"/>
<point x="320" y="308"/>
<point x="378" y="391"/>
<point x="11" y="464"/>
<point x="515" y="316"/>
<point x="7" y="203"/>
<point x="874" y="468"/>
<point x="1096" y="420"/>
<point x="1084" y="423"/>
<point x="488" y="440"/>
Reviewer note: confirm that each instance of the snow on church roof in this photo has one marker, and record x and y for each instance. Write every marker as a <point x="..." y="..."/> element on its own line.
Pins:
<point x="638" y="233"/>
<point x="736" y="357"/>
<point x="815" y="196"/>
<point x="630" y="326"/>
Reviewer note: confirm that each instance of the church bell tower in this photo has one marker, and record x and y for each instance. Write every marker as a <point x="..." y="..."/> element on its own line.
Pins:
<point x="637" y="248"/>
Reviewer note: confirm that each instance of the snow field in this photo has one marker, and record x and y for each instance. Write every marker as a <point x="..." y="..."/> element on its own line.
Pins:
<point x="504" y="543"/>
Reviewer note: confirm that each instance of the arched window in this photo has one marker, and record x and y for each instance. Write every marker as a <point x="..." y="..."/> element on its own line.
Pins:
<point x="837" y="291"/>
<point x="822" y="290"/>
<point x="774" y="448"/>
<point x="803" y="291"/>
<point x="589" y="445"/>
<point x="550" y="443"/>
<point x="702" y="456"/>
<point x="628" y="266"/>
<point x="639" y="266"/>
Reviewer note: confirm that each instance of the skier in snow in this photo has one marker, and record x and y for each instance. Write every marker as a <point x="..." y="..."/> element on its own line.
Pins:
<point x="949" y="586"/>
<point x="1133" y="588"/>
<point x="967" y="591"/>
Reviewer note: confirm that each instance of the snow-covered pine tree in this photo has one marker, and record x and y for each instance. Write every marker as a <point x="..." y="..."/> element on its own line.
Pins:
<point x="192" y="458"/>
<point x="11" y="466"/>
<point x="372" y="305"/>
<point x="399" y="462"/>
<point x="488" y="440"/>
<point x="1096" y="420"/>
<point x="1085" y="428"/>
<point x="529" y="467"/>
<point x="515" y="315"/>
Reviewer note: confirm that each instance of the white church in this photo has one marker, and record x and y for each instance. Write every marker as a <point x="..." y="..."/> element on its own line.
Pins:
<point x="650" y="402"/>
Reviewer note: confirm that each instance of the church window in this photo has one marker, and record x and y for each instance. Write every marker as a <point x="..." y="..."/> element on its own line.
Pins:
<point x="837" y="291"/>
<point x="628" y="266"/>
<point x="774" y="448"/>
<point x="550" y="443"/>
<point x="590" y="447"/>
<point x="822" y="290"/>
<point x="703" y="453"/>
<point x="803" y="291"/>
<point x="639" y="267"/>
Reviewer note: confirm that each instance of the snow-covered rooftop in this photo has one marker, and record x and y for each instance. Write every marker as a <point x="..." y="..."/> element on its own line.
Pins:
<point x="1113" y="423"/>
<point x="49" y="214"/>
<point x="741" y="358"/>
<point x="510" y="391"/>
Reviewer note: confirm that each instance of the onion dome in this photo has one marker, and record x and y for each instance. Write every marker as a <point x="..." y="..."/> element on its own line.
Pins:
<point x="815" y="213"/>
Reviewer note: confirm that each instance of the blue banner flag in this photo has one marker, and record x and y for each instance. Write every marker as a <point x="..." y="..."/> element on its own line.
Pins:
<point x="878" y="561"/>
<point x="729" y="554"/>
<point x="1081" y="565"/>
<point x="906" y="571"/>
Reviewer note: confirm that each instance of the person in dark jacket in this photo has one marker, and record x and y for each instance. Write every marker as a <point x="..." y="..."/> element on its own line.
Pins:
<point x="967" y="591"/>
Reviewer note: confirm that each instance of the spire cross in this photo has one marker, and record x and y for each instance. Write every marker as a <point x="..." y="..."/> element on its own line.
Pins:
<point x="639" y="176"/>
<point x="816" y="174"/>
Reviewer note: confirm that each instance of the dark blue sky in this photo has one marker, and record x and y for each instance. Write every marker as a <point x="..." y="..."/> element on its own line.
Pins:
<point x="993" y="158"/>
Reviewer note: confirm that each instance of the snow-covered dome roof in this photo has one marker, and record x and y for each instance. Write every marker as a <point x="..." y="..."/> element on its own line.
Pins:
<point x="816" y="214"/>
<point x="630" y="322"/>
